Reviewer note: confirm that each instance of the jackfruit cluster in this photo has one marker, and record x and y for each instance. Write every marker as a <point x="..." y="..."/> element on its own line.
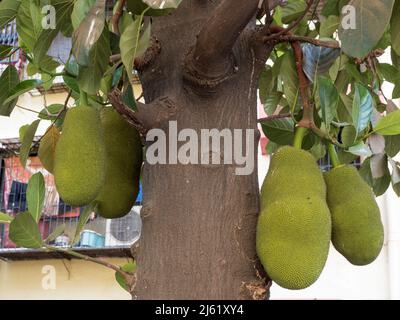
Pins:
<point x="357" y="230"/>
<point x="98" y="158"/>
<point x="294" y="226"/>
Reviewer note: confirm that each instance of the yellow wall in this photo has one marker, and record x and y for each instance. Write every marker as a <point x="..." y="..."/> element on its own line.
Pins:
<point x="85" y="280"/>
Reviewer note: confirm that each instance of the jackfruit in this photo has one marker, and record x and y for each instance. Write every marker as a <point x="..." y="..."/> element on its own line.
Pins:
<point x="80" y="157"/>
<point x="357" y="230"/>
<point x="294" y="226"/>
<point x="124" y="158"/>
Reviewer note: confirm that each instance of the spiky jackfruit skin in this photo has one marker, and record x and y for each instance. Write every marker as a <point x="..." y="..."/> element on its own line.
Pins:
<point x="124" y="158"/>
<point x="294" y="227"/>
<point x="357" y="230"/>
<point x="80" y="157"/>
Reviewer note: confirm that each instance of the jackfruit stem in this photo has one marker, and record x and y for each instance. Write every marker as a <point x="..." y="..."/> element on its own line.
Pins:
<point x="84" y="99"/>
<point x="299" y="137"/>
<point x="333" y="155"/>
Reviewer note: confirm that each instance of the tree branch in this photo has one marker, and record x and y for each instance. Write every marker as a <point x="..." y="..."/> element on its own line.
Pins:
<point x="308" y="110"/>
<point x="292" y="38"/>
<point x="147" y="116"/>
<point x="211" y="59"/>
<point x="117" y="16"/>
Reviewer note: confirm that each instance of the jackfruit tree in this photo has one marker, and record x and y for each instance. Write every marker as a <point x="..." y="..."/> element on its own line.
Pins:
<point x="320" y="68"/>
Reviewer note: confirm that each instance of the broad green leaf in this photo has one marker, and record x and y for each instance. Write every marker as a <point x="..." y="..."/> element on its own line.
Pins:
<point x="8" y="11"/>
<point x="58" y="231"/>
<point x="329" y="26"/>
<point x="51" y="111"/>
<point x="24" y="231"/>
<point x="371" y="20"/>
<point x="280" y="131"/>
<point x="89" y="78"/>
<point x="5" y="218"/>
<point x="133" y="45"/>
<point x="293" y="10"/>
<point x="162" y="4"/>
<point x="379" y="185"/>
<point x="81" y="9"/>
<point x="137" y="7"/>
<point x="363" y="105"/>
<point x="83" y="219"/>
<point x="23" y="87"/>
<point x="389" y="72"/>
<point x="317" y="60"/>
<point x="331" y="7"/>
<point x="35" y="195"/>
<point x="349" y="136"/>
<point x="290" y="79"/>
<point x="361" y="150"/>
<point x="5" y="51"/>
<point x="389" y="125"/>
<point x="272" y="102"/>
<point x="395" y="176"/>
<point x="8" y="81"/>
<point x="89" y="32"/>
<point x="71" y="83"/>
<point x="29" y="22"/>
<point x="47" y="148"/>
<point x="64" y="10"/>
<point x="130" y="268"/>
<point x="27" y="142"/>
<point x="329" y="99"/>
<point x="392" y="145"/>
<point x="395" y="27"/>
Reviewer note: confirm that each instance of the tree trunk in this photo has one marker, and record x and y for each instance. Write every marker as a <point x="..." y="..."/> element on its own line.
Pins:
<point x="199" y="221"/>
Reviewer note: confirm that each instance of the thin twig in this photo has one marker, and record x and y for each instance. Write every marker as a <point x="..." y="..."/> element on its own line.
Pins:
<point x="292" y="38"/>
<point x="27" y="109"/>
<point x="308" y="110"/>
<point x="291" y="27"/>
<point x="117" y="16"/>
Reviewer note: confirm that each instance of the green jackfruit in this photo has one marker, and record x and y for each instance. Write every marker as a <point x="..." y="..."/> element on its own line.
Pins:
<point x="294" y="227"/>
<point x="357" y="230"/>
<point x="124" y="158"/>
<point x="80" y="157"/>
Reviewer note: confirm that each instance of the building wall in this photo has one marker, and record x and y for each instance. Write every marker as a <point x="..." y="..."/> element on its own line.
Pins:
<point x="74" y="279"/>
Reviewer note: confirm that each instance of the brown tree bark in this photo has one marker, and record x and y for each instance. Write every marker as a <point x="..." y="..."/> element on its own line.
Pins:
<point x="199" y="221"/>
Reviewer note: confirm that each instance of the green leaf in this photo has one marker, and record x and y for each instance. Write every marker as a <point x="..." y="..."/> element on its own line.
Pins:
<point x="5" y="218"/>
<point x="363" y="105"/>
<point x="395" y="176"/>
<point x="133" y="45"/>
<point x="83" y="219"/>
<point x="379" y="185"/>
<point x="27" y="142"/>
<point x="29" y="22"/>
<point x="24" y="231"/>
<point x="81" y="9"/>
<point x="280" y="131"/>
<point x="392" y="145"/>
<point x="89" y="32"/>
<point x="318" y="60"/>
<point x="8" y="11"/>
<point x="389" y="72"/>
<point x="395" y="27"/>
<point x="64" y="10"/>
<point x="361" y="149"/>
<point x="389" y="125"/>
<point x="372" y="18"/>
<point x="47" y="148"/>
<point x="290" y="79"/>
<point x="58" y="231"/>
<point x="130" y="268"/>
<point x="23" y="87"/>
<point x="293" y="10"/>
<point x="5" y="51"/>
<point x="329" y="99"/>
<point x="51" y="111"/>
<point x="329" y="26"/>
<point x="8" y="81"/>
<point x="89" y="78"/>
<point x="35" y="195"/>
<point x="162" y="4"/>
